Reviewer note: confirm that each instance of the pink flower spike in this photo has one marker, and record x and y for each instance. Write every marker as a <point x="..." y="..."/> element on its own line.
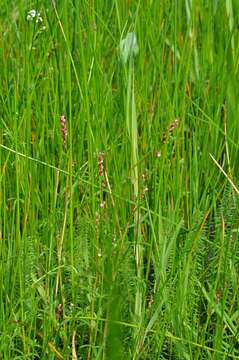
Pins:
<point x="63" y="129"/>
<point x="101" y="163"/>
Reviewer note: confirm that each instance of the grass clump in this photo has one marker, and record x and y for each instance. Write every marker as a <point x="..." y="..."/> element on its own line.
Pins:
<point x="118" y="182"/>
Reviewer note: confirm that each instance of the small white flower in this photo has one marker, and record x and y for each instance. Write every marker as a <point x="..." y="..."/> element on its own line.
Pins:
<point x="33" y="14"/>
<point x="102" y="204"/>
<point x="157" y="154"/>
<point x="39" y="19"/>
<point x="128" y="47"/>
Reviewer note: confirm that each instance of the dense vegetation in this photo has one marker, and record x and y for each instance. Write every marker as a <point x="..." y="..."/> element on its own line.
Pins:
<point x="118" y="183"/>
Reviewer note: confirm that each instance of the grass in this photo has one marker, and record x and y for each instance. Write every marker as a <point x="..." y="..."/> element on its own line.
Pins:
<point x="123" y="242"/>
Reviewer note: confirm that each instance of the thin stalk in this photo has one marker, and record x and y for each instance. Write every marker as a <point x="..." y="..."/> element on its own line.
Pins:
<point x="132" y="126"/>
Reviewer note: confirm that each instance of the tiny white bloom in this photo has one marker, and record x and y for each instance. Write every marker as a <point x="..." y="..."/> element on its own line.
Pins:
<point x="39" y="19"/>
<point x="128" y="47"/>
<point x="33" y="14"/>
<point x="102" y="204"/>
